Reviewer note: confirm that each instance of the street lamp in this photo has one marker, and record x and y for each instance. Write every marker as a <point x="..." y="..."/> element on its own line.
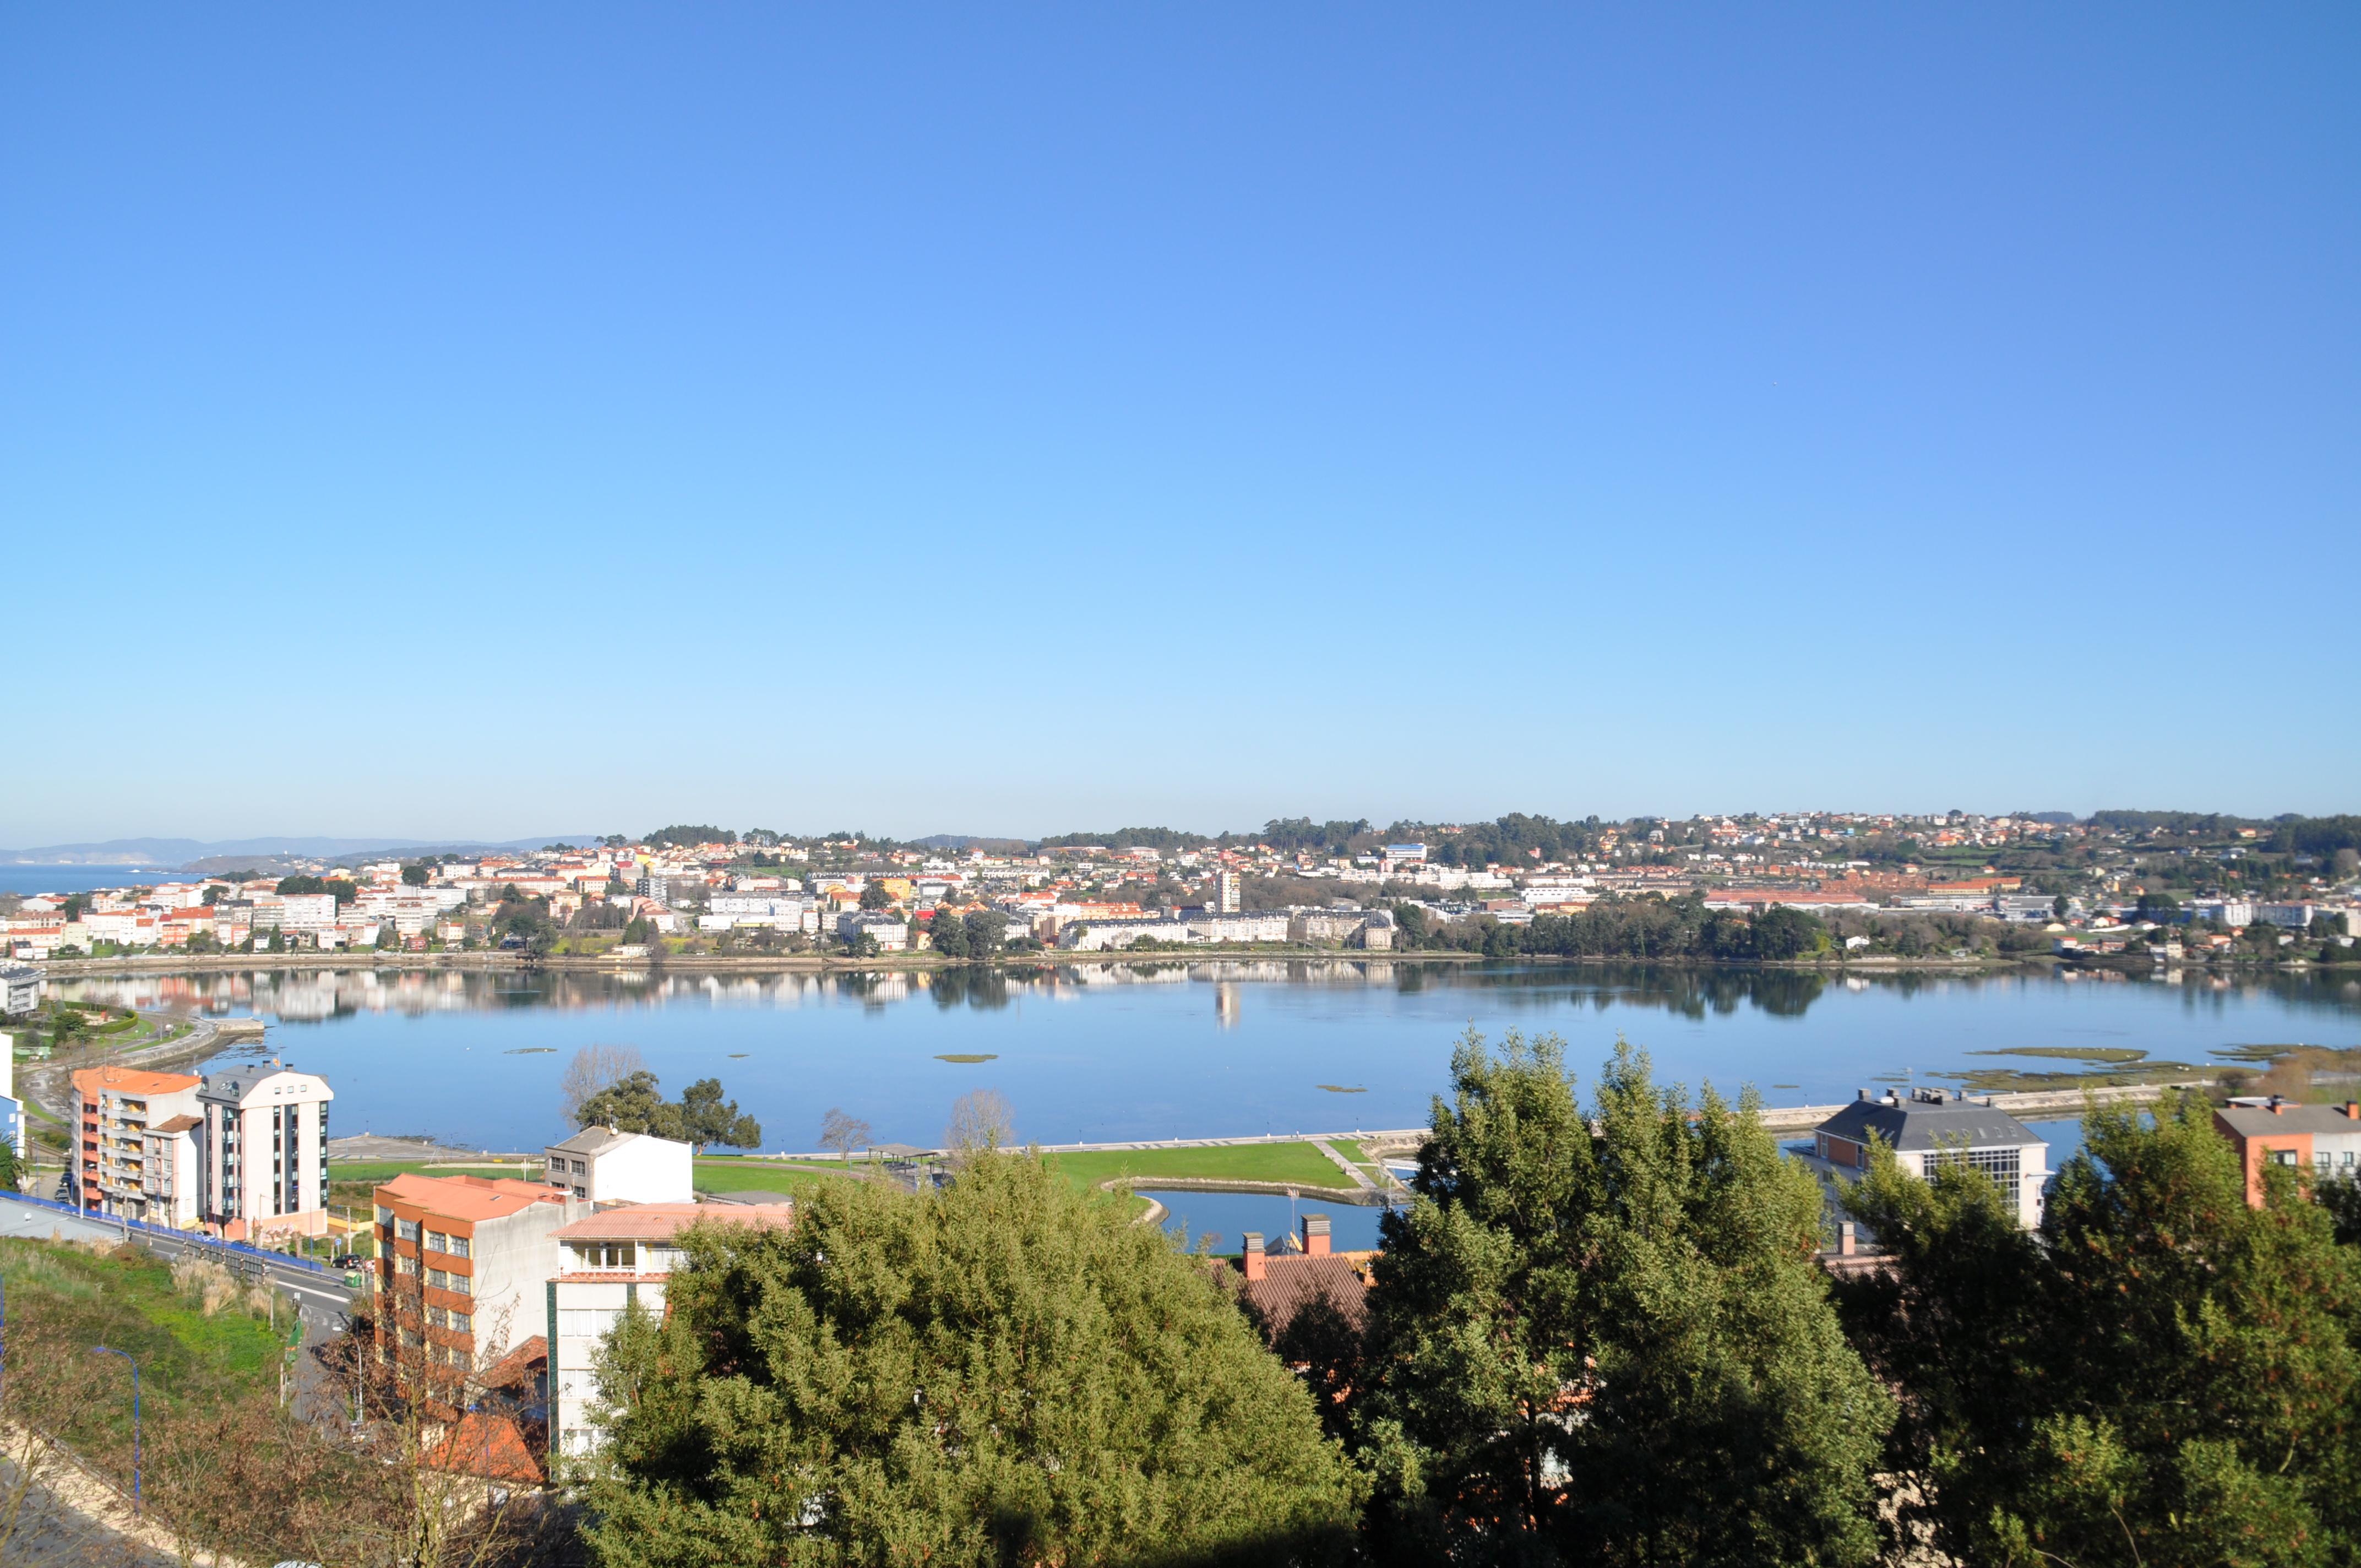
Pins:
<point x="109" y="1350"/>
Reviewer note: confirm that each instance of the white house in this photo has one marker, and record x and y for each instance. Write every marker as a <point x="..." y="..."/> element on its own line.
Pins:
<point x="603" y="1166"/>
<point x="608" y="1264"/>
<point x="1933" y="1129"/>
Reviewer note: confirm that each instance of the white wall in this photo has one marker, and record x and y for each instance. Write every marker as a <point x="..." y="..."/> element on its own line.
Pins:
<point x="644" y="1170"/>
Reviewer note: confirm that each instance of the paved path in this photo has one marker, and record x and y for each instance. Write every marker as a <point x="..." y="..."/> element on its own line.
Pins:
<point x="1336" y="1158"/>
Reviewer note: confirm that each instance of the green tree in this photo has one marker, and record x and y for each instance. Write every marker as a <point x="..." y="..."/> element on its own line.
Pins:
<point x="632" y="1104"/>
<point x="1000" y="1372"/>
<point x="706" y="1118"/>
<point x="1611" y="1348"/>
<point x="2166" y="1377"/>
<point x="950" y="934"/>
<point x="987" y="932"/>
<point x="415" y="873"/>
<point x="875" y="896"/>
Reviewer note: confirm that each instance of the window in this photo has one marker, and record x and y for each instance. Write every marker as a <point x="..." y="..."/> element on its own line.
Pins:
<point x="406" y="1229"/>
<point x="384" y="1215"/>
<point x="405" y="1263"/>
<point x="2281" y="1156"/>
<point x="2002" y="1165"/>
<point x="437" y="1242"/>
<point x="460" y="1320"/>
<point x="462" y="1285"/>
<point x="455" y="1246"/>
<point x="437" y="1278"/>
<point x="587" y="1323"/>
<point x="606" y="1254"/>
<point x="578" y="1168"/>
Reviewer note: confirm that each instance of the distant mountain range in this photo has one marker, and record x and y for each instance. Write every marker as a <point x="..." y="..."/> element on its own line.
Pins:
<point x="162" y="852"/>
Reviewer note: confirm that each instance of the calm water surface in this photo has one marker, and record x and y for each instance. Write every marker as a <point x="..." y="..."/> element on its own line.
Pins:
<point x="1153" y="1051"/>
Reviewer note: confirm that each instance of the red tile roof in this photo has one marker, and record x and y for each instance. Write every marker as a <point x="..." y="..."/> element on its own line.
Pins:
<point x="1292" y="1281"/>
<point x="468" y="1197"/>
<point x="662" y="1222"/>
<point x="492" y="1446"/>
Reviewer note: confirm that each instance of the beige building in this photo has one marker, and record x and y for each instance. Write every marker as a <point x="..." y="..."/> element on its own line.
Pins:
<point x="463" y="1268"/>
<point x="134" y="1136"/>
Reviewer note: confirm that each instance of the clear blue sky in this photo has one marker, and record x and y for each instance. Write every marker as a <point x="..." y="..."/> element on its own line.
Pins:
<point x="443" y="421"/>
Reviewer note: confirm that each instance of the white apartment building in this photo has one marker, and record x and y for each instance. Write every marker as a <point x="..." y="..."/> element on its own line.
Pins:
<point x="1932" y="1129"/>
<point x="607" y="1265"/>
<point x="599" y="1165"/>
<point x="261" y="1161"/>
<point x="20" y="990"/>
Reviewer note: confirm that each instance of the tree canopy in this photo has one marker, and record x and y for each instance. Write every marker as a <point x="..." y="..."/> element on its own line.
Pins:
<point x="687" y="836"/>
<point x="1003" y="1371"/>
<point x="634" y="1103"/>
<point x="2164" y="1376"/>
<point x="1611" y="1345"/>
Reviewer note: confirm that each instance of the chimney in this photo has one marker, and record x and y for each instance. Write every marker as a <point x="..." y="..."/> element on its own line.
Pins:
<point x="2276" y="1106"/>
<point x="1860" y="1094"/>
<point x="1848" y="1240"/>
<point x="1251" y="1260"/>
<point x="1315" y="1235"/>
<point x="2353" y="1110"/>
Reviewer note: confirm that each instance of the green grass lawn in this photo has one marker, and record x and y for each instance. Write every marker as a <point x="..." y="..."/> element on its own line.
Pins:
<point x="1298" y="1164"/>
<point x="374" y="1171"/>
<point x="1351" y="1150"/>
<point x="790" y="1177"/>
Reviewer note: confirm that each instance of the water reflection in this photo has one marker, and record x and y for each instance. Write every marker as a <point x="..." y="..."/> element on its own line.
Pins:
<point x="308" y="995"/>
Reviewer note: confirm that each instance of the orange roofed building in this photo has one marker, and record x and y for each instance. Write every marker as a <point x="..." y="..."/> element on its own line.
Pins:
<point x="463" y="1261"/>
<point x="133" y="1153"/>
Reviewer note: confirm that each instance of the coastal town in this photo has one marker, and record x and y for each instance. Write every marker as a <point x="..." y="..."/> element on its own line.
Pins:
<point x="2090" y="887"/>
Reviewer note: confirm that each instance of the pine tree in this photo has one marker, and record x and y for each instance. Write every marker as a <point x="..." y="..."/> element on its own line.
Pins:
<point x="1611" y="1344"/>
<point x="2166" y="1377"/>
<point x="1000" y="1372"/>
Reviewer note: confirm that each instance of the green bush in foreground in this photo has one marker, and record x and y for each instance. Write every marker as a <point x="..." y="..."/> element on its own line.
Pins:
<point x="1604" y="1339"/>
<point x="2164" y="1377"/>
<point x="1003" y="1371"/>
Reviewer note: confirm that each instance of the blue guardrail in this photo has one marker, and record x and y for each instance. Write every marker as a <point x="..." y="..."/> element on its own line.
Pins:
<point x="199" y="1237"/>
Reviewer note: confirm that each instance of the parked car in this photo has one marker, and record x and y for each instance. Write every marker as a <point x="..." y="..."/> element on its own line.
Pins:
<point x="350" y="1260"/>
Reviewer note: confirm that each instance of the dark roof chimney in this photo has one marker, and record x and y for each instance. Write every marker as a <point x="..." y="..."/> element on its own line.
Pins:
<point x="1860" y="1094"/>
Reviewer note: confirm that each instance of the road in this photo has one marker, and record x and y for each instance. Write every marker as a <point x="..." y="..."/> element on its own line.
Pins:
<point x="321" y="1297"/>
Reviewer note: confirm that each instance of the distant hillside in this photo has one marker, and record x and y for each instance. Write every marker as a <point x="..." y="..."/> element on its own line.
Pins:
<point x="187" y="852"/>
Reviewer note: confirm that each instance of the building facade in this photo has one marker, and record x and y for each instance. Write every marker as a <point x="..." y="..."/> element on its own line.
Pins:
<point x="1934" y="1128"/>
<point x="608" y="1264"/>
<point x="20" y="990"/>
<point x="599" y="1165"/>
<point x="261" y="1155"/>
<point x="129" y="1128"/>
<point x="463" y="1264"/>
<point x="2268" y="1130"/>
